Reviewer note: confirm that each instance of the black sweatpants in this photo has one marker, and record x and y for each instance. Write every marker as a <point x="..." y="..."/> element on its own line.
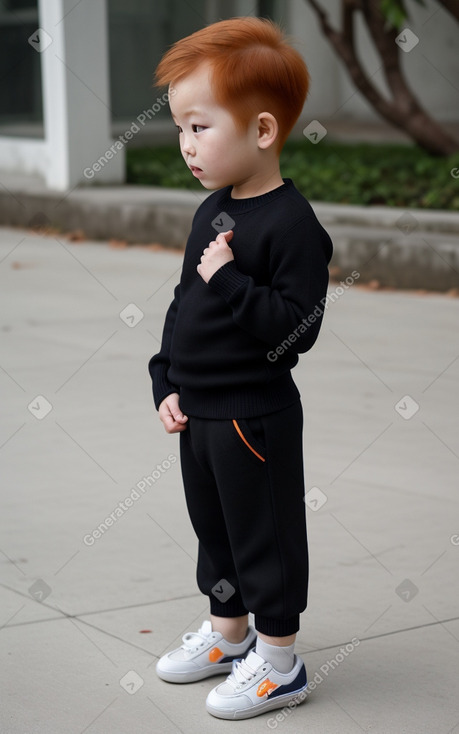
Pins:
<point x="244" y="489"/>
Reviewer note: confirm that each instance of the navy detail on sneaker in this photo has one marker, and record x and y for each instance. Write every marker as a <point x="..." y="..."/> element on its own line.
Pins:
<point x="229" y="659"/>
<point x="238" y="657"/>
<point x="296" y="685"/>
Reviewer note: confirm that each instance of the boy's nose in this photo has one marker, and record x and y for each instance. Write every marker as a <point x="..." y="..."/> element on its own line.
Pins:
<point x="188" y="147"/>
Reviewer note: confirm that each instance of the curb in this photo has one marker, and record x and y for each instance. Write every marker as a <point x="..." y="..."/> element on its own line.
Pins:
<point x="389" y="259"/>
<point x="135" y="214"/>
<point x="396" y="247"/>
<point x="405" y="220"/>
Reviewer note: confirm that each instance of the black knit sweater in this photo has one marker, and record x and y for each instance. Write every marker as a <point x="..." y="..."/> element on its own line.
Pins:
<point x="228" y="345"/>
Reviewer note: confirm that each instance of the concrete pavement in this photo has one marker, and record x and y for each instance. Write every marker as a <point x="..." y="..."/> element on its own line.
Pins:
<point x="88" y="605"/>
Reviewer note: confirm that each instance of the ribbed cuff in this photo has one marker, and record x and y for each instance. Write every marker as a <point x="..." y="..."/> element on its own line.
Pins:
<point x="233" y="607"/>
<point x="161" y="385"/>
<point x="227" y="280"/>
<point x="277" y="627"/>
<point x="158" y="400"/>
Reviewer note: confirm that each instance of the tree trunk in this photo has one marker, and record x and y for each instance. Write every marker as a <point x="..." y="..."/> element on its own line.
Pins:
<point x="403" y="109"/>
<point x="452" y="6"/>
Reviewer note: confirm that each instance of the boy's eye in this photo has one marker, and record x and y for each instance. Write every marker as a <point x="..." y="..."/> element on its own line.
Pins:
<point x="179" y="129"/>
<point x="197" y="128"/>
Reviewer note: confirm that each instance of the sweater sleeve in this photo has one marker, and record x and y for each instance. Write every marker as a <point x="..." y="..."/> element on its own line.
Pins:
<point x="297" y="292"/>
<point x="160" y="363"/>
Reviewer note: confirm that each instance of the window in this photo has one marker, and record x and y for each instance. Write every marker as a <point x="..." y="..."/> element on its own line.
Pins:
<point x="140" y="31"/>
<point x="21" y="108"/>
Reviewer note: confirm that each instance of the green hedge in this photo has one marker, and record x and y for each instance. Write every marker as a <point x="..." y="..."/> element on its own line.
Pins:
<point x="391" y="175"/>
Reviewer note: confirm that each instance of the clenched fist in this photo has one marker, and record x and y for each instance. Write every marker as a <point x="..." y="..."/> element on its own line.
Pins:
<point x="171" y="415"/>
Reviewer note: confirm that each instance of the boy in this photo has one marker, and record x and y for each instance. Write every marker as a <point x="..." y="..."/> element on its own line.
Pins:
<point x="248" y="302"/>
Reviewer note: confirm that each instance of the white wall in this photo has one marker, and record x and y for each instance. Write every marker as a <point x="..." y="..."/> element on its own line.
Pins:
<point x="75" y="72"/>
<point x="73" y="48"/>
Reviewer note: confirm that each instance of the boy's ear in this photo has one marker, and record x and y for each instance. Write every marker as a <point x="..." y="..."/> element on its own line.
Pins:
<point x="268" y="130"/>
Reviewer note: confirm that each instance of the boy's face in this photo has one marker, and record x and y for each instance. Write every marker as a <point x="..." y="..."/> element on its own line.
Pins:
<point x="215" y="151"/>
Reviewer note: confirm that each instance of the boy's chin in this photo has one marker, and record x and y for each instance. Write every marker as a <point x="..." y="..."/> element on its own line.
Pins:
<point x="210" y="185"/>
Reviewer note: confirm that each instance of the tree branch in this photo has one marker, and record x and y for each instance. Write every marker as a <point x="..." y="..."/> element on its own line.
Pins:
<point x="452" y="6"/>
<point x="384" y="40"/>
<point x="345" y="48"/>
<point x="403" y="110"/>
<point x="348" y="9"/>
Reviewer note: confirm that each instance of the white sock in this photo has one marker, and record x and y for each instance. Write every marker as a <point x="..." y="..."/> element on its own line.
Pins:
<point x="239" y="645"/>
<point x="281" y="658"/>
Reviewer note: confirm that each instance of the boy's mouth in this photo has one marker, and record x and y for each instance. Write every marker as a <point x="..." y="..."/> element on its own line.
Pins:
<point x="195" y="170"/>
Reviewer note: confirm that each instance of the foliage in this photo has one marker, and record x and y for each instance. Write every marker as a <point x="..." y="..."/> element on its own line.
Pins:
<point x="363" y="174"/>
<point x="395" y="12"/>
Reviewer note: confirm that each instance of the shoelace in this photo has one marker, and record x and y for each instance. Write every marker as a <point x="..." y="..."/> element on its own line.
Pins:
<point x="241" y="673"/>
<point x="190" y="642"/>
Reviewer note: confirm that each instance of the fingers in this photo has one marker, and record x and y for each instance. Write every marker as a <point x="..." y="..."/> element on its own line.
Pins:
<point x="170" y="414"/>
<point x="224" y="237"/>
<point x="176" y="414"/>
<point x="173" y="425"/>
<point x="227" y="235"/>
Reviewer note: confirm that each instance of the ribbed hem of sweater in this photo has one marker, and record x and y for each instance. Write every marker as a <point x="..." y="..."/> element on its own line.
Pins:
<point x="244" y="401"/>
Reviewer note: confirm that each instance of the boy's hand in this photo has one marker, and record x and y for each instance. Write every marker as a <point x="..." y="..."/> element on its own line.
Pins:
<point x="215" y="255"/>
<point x="171" y="415"/>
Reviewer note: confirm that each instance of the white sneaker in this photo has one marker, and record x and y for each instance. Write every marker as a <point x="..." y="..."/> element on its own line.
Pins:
<point x="203" y="653"/>
<point x="254" y="687"/>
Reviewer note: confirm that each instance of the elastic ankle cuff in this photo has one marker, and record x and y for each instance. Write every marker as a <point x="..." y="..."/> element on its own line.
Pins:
<point x="233" y="607"/>
<point x="277" y="627"/>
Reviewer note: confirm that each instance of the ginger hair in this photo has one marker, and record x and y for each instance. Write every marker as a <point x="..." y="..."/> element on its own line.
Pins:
<point x="253" y="69"/>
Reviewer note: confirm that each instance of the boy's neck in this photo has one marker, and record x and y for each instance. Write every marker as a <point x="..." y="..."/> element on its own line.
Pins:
<point x="257" y="186"/>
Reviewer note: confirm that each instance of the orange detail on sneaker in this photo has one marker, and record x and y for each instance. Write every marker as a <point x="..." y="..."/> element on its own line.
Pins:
<point x="215" y="655"/>
<point x="266" y="687"/>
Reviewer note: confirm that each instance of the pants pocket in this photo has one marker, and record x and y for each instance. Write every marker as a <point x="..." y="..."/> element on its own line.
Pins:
<point x="250" y="434"/>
